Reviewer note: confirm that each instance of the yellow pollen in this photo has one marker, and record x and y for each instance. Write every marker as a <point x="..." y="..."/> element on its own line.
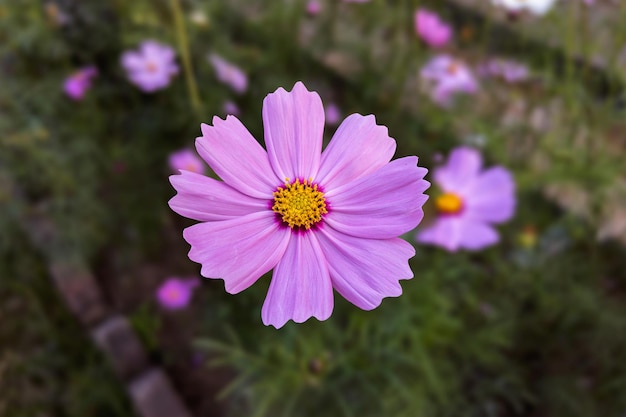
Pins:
<point x="300" y="204"/>
<point x="452" y="68"/>
<point x="449" y="203"/>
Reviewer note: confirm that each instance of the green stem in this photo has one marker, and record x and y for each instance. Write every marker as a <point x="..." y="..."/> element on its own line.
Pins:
<point x="183" y="46"/>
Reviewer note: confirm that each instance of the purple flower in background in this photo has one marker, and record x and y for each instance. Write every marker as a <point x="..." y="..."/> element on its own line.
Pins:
<point x="510" y="71"/>
<point x="322" y="220"/>
<point x="230" y="107"/>
<point x="471" y="201"/>
<point x="229" y="74"/>
<point x="151" y="67"/>
<point x="313" y="7"/>
<point x="448" y="76"/>
<point x="435" y="32"/>
<point x="77" y="84"/>
<point x="332" y="114"/>
<point x="175" y="293"/>
<point x="187" y="160"/>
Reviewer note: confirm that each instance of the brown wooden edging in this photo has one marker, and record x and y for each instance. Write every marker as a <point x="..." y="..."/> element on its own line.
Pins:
<point x="147" y="385"/>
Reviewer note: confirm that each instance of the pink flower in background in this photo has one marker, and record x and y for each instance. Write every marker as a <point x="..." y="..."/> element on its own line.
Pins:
<point x="229" y="74"/>
<point x="332" y="114"/>
<point x="151" y="67"/>
<point x="187" y="160"/>
<point x="175" y="293"/>
<point x="313" y="7"/>
<point x="472" y="200"/>
<point x="448" y="77"/>
<point x="510" y="71"/>
<point x="321" y="220"/>
<point x="435" y="32"/>
<point x="77" y="84"/>
<point x="230" y="107"/>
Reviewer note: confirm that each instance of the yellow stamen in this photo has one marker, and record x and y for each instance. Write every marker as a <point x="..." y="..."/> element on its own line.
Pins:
<point x="452" y="68"/>
<point x="449" y="203"/>
<point x="300" y="204"/>
<point x="151" y="67"/>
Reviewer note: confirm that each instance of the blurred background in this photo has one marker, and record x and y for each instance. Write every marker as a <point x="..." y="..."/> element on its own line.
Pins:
<point x="534" y="325"/>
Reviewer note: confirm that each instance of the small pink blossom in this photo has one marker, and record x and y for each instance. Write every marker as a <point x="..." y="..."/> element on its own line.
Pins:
<point x="472" y="199"/>
<point x="229" y="73"/>
<point x="186" y="160"/>
<point x="434" y="31"/>
<point x="510" y="71"/>
<point x="230" y="107"/>
<point x="313" y="7"/>
<point x="332" y="113"/>
<point x="77" y="84"/>
<point x="151" y="67"/>
<point x="176" y="293"/>
<point x="448" y="76"/>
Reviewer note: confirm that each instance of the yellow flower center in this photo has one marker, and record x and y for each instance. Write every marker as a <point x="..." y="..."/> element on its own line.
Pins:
<point x="449" y="203"/>
<point x="452" y="68"/>
<point x="173" y="293"/>
<point x="151" y="67"/>
<point x="300" y="204"/>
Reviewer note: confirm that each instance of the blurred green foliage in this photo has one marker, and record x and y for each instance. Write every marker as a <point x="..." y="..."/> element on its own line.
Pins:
<point x="533" y="327"/>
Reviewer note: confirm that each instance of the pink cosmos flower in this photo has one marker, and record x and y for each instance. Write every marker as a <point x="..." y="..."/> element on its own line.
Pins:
<point x="471" y="201"/>
<point x="175" y="293"/>
<point x="77" y="84"/>
<point x="230" y="107"/>
<point x="332" y="114"/>
<point x="186" y="160"/>
<point x="510" y="71"/>
<point x="151" y="67"/>
<point x="434" y="31"/>
<point x="322" y="220"/>
<point x="448" y="76"/>
<point x="313" y="7"/>
<point x="229" y="74"/>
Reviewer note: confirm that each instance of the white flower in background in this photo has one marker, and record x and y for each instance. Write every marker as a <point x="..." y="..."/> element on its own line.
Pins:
<point x="539" y="7"/>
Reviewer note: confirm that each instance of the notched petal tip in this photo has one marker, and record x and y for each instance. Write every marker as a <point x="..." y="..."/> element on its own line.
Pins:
<point x="278" y="324"/>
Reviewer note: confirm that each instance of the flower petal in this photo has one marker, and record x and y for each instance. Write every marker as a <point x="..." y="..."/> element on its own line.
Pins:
<point x="460" y="172"/>
<point x="364" y="271"/>
<point x="205" y="199"/>
<point x="237" y="158"/>
<point x="381" y="205"/>
<point x="294" y="125"/>
<point x="238" y="250"/>
<point x="444" y="232"/>
<point x="458" y="232"/>
<point x="359" y="147"/>
<point x="132" y="61"/>
<point x="476" y="235"/>
<point x="301" y="286"/>
<point x="493" y="196"/>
